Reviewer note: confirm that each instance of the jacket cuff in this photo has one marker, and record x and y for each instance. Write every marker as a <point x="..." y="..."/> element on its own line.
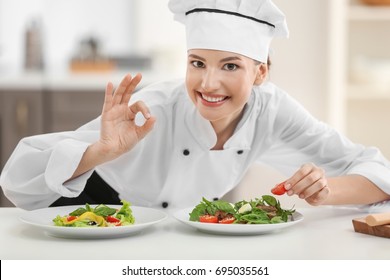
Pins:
<point x="63" y="162"/>
<point x="375" y="172"/>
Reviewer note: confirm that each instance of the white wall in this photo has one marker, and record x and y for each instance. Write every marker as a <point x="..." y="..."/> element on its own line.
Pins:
<point x="64" y="24"/>
<point x="159" y="35"/>
<point x="301" y="62"/>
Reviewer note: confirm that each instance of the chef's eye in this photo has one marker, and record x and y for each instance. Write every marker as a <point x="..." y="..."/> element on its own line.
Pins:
<point x="197" y="64"/>
<point x="230" y="66"/>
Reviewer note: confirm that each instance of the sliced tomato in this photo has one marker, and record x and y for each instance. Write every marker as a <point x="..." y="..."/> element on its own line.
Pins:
<point x="71" y="218"/>
<point x="279" y="189"/>
<point x="227" y="220"/>
<point x="112" y="219"/>
<point x="208" y="219"/>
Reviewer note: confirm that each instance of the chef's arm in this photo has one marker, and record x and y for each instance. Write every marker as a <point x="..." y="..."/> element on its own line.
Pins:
<point x="310" y="182"/>
<point x="353" y="189"/>
<point x="93" y="156"/>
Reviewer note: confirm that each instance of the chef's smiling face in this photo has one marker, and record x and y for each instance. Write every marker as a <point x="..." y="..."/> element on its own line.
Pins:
<point x="219" y="83"/>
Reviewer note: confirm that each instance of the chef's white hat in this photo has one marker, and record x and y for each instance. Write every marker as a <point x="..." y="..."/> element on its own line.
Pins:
<point x="245" y="27"/>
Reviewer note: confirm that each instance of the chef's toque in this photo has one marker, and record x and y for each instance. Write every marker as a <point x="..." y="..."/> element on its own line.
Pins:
<point x="245" y="27"/>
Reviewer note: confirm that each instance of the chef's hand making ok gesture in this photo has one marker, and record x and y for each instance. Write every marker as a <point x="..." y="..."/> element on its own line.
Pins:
<point x="119" y="132"/>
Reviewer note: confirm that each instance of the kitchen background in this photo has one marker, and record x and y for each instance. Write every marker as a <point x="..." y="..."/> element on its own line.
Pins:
<point x="56" y="57"/>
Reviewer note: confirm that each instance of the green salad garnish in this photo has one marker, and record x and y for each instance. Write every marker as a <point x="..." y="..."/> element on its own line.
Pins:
<point x="264" y="210"/>
<point x="99" y="216"/>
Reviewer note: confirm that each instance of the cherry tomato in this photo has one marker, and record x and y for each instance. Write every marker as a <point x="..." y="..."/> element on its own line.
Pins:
<point x="227" y="220"/>
<point x="208" y="219"/>
<point x="279" y="189"/>
<point x="71" y="218"/>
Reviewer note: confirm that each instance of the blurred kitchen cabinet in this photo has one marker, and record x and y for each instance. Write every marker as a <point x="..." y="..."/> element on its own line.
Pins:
<point x="70" y="109"/>
<point x="21" y="115"/>
<point x="361" y="77"/>
<point x="25" y="112"/>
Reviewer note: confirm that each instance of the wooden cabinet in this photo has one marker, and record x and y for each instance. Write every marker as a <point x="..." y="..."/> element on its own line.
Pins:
<point x="30" y="112"/>
<point x="69" y="109"/>
<point x="21" y="115"/>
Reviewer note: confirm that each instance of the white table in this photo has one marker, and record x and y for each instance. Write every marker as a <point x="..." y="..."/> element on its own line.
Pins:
<point x="325" y="233"/>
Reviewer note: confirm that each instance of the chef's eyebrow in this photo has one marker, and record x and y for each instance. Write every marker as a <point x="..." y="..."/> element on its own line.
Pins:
<point x="226" y="59"/>
<point x="230" y="58"/>
<point x="194" y="56"/>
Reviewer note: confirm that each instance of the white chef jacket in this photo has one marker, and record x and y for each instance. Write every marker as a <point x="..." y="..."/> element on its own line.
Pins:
<point x="173" y="164"/>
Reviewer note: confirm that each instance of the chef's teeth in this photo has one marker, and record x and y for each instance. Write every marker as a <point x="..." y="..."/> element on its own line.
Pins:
<point x="212" y="99"/>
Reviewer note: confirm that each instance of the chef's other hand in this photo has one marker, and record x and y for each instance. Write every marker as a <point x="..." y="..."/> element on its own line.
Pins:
<point x="309" y="183"/>
<point x="119" y="133"/>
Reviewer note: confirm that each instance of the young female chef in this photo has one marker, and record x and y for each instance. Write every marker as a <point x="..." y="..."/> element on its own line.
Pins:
<point x="174" y="142"/>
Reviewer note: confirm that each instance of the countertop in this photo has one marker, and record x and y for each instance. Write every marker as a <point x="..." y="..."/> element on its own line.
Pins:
<point x="326" y="233"/>
<point x="74" y="81"/>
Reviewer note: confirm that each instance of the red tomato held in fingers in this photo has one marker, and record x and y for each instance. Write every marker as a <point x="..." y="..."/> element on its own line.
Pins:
<point x="227" y="220"/>
<point x="279" y="189"/>
<point x="208" y="219"/>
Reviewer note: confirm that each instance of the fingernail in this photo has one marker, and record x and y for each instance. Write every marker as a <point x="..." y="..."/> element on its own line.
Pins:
<point x="290" y="192"/>
<point x="287" y="186"/>
<point x="147" y="115"/>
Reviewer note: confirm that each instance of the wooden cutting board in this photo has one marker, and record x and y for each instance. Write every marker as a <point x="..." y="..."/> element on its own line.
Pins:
<point x="361" y="226"/>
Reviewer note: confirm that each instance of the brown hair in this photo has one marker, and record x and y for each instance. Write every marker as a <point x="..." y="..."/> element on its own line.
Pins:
<point x="268" y="62"/>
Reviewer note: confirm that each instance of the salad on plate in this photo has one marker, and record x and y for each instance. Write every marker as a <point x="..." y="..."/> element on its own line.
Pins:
<point x="99" y="216"/>
<point x="264" y="210"/>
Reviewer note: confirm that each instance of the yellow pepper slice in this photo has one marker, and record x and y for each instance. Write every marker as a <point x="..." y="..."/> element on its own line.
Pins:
<point x="87" y="216"/>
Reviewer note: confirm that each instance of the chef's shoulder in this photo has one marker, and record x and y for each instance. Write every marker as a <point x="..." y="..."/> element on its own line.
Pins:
<point x="268" y="95"/>
<point x="160" y="93"/>
<point x="268" y="91"/>
<point x="282" y="109"/>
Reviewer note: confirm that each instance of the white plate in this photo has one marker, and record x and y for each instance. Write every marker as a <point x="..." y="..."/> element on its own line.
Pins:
<point x="236" y="229"/>
<point x="43" y="218"/>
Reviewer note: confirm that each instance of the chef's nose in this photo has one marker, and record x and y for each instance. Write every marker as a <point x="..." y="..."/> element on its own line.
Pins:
<point x="210" y="80"/>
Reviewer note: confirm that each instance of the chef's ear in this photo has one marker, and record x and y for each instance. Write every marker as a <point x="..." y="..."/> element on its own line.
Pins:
<point x="261" y="73"/>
